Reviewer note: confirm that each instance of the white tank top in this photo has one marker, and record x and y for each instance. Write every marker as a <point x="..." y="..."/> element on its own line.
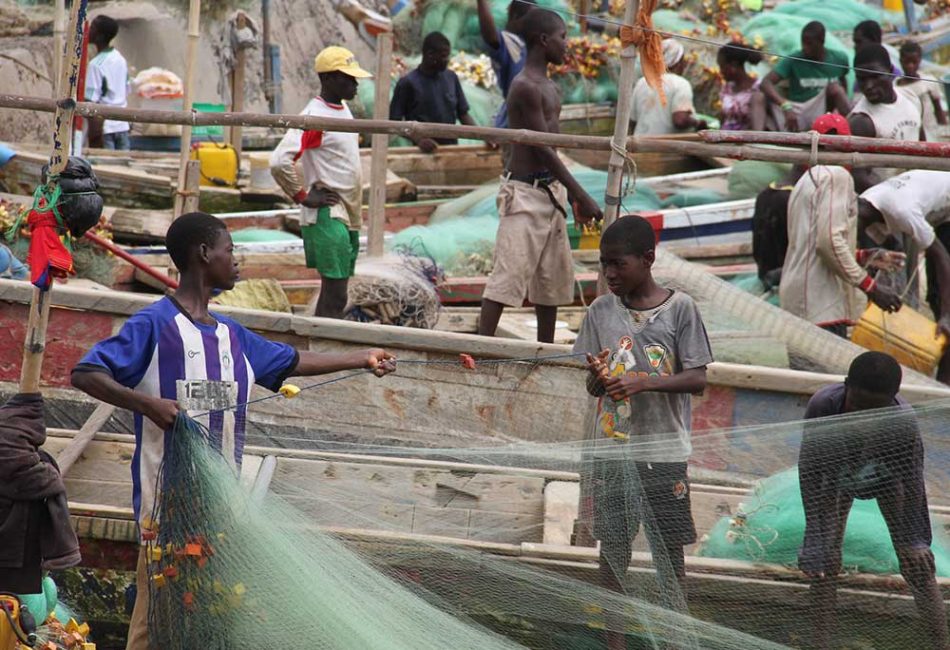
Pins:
<point x="898" y="121"/>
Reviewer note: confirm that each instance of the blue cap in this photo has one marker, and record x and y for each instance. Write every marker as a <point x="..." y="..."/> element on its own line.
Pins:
<point x="6" y="153"/>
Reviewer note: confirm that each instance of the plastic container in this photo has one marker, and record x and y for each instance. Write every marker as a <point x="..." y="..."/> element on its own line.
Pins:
<point x="8" y="637"/>
<point x="261" y="178"/>
<point x="206" y="131"/>
<point x="219" y="164"/>
<point x="906" y="335"/>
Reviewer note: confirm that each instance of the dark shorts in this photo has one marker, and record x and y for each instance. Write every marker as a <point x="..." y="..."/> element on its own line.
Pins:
<point x="330" y="246"/>
<point x="627" y="493"/>
<point x="933" y="286"/>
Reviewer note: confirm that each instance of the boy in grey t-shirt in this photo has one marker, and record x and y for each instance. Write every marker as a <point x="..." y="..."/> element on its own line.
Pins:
<point x="647" y="351"/>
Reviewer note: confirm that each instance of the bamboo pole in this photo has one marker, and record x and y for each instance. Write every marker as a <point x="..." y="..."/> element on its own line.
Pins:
<point x="68" y="456"/>
<point x="237" y="86"/>
<point x="846" y="143"/>
<point x="519" y="136"/>
<point x="59" y="40"/>
<point x="34" y="344"/>
<point x="377" y="176"/>
<point x="191" y="52"/>
<point x="628" y="77"/>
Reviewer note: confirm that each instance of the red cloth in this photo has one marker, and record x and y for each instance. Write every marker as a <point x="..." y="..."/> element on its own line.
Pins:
<point x="48" y="257"/>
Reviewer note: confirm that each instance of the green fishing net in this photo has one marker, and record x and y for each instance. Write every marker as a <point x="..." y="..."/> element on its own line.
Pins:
<point x="749" y="177"/>
<point x="769" y="525"/>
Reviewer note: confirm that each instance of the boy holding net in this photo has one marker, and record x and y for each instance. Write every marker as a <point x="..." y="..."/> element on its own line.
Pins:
<point x="178" y="339"/>
<point x="647" y="351"/>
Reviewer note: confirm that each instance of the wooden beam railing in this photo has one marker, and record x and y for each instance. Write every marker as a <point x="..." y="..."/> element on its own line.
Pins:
<point x="517" y="136"/>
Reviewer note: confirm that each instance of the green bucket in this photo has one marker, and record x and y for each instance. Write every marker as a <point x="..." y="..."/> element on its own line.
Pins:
<point x="208" y="131"/>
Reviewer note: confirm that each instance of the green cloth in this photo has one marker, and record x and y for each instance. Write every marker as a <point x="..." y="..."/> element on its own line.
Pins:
<point x="808" y="78"/>
<point x="330" y="246"/>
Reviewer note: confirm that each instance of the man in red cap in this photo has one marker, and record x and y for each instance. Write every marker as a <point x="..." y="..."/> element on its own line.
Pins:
<point x="822" y="280"/>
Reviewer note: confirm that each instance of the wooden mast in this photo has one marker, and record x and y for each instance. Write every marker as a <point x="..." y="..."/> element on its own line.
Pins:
<point x="377" y="177"/>
<point x="35" y="343"/>
<point x="191" y="53"/>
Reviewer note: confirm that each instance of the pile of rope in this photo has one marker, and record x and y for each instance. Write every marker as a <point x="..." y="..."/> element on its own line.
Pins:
<point x="396" y="290"/>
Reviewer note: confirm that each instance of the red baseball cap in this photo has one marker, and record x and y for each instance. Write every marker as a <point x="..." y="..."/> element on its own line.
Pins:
<point x="832" y="122"/>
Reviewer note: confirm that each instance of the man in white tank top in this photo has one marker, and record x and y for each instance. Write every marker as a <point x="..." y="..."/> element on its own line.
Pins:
<point x="883" y="111"/>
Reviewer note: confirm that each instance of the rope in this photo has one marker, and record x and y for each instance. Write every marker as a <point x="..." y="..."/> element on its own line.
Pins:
<point x="718" y="44"/>
<point x="814" y="148"/>
<point x="417" y="362"/>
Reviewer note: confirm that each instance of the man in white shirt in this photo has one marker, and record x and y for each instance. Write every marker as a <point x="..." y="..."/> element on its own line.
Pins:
<point x="916" y="205"/>
<point x="107" y="80"/>
<point x="331" y="192"/>
<point x="649" y="116"/>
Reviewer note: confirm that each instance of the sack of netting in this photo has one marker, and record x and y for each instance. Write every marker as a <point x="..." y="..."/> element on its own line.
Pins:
<point x="397" y="289"/>
<point x="79" y="205"/>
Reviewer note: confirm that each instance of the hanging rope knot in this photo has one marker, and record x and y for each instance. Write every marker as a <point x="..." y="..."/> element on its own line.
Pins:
<point x="649" y="43"/>
<point x="48" y="256"/>
<point x="813" y="160"/>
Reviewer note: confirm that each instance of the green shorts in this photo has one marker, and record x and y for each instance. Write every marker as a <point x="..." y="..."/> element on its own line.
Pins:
<point x="330" y="247"/>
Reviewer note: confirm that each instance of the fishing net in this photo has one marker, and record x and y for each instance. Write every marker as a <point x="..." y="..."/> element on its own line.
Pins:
<point x="395" y="290"/>
<point x="473" y="544"/>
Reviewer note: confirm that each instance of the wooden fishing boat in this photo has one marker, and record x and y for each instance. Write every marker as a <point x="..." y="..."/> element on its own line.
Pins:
<point x="423" y="404"/>
<point x="402" y="510"/>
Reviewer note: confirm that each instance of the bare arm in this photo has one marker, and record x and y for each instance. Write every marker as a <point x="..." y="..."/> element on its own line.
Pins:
<point x="688" y="381"/>
<point x="104" y="388"/>
<point x="486" y="22"/>
<point x="940" y="258"/>
<point x="317" y="363"/>
<point x="683" y="120"/>
<point x="939" y="113"/>
<point x="769" y="90"/>
<point x="468" y="120"/>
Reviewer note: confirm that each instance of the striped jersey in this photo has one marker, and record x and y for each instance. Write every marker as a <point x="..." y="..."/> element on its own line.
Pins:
<point x="161" y="345"/>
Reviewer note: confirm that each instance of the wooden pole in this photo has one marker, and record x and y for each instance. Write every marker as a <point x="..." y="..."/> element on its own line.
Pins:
<point x="35" y="343"/>
<point x="59" y="40"/>
<point x="628" y="77"/>
<point x="191" y="52"/>
<point x="519" y="136"/>
<point x="237" y="85"/>
<point x="191" y="194"/>
<point x="74" y="449"/>
<point x="377" y="176"/>
<point x="846" y="143"/>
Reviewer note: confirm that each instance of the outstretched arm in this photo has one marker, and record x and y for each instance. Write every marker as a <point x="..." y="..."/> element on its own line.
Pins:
<point x="322" y="363"/>
<point x="486" y="22"/>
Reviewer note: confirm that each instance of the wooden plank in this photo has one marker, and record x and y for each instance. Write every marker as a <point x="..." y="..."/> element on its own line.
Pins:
<point x="77" y="445"/>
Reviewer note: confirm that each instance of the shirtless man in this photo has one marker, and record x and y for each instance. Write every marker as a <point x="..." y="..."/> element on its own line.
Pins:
<point x="532" y="251"/>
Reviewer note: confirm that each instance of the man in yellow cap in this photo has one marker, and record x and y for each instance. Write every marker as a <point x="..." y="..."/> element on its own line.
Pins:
<point x="330" y="195"/>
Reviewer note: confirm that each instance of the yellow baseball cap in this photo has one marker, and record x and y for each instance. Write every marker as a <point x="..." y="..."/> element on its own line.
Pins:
<point x="339" y="59"/>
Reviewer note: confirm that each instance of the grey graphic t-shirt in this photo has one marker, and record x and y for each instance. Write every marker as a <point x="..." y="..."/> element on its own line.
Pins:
<point x="664" y="340"/>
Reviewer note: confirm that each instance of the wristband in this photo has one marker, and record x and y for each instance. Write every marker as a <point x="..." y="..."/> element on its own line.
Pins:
<point x="787" y="106"/>
<point x="300" y="196"/>
<point x="867" y="284"/>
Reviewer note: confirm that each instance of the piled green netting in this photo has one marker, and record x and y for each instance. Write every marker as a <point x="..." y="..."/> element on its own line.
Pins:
<point x="458" y="20"/>
<point x="769" y="526"/>
<point x="840" y="15"/>
<point x="749" y="177"/>
<point x="469" y="224"/>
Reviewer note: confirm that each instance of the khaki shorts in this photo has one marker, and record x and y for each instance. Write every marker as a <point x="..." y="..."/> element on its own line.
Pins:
<point x="532" y="250"/>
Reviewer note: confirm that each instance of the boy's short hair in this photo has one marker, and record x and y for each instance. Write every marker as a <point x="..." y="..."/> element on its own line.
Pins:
<point x="633" y="232"/>
<point x="107" y="26"/>
<point x="815" y="29"/>
<point x="872" y="54"/>
<point x="519" y="8"/>
<point x="188" y="232"/>
<point x="910" y="47"/>
<point x="540" y="21"/>
<point x="871" y="30"/>
<point x="875" y="372"/>
<point x="435" y="42"/>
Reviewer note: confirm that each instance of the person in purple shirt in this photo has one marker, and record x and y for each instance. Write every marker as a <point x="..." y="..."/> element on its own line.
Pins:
<point x="179" y="338"/>
<point x="506" y="47"/>
<point x="878" y="455"/>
